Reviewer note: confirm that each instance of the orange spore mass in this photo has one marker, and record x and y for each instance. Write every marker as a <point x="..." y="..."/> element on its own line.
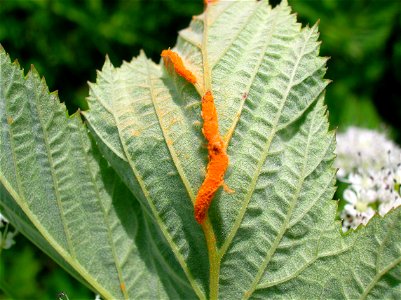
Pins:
<point x="218" y="159"/>
<point x="172" y="58"/>
<point x="122" y="286"/>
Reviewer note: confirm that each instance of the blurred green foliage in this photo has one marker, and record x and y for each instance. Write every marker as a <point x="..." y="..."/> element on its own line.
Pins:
<point x="363" y="39"/>
<point x="67" y="41"/>
<point x="27" y="273"/>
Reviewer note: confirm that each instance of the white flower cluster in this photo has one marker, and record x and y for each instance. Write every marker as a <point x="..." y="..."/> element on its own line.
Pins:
<point x="371" y="165"/>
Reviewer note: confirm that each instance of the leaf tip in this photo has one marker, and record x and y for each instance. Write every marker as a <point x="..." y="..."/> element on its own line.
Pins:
<point x="76" y="115"/>
<point x="107" y="63"/>
<point x="33" y="71"/>
<point x="142" y="54"/>
<point x="54" y="93"/>
<point x="16" y="63"/>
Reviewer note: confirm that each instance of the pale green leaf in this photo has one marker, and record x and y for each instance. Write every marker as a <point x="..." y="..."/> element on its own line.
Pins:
<point x="56" y="189"/>
<point x="273" y="237"/>
<point x="369" y="268"/>
<point x="19" y="220"/>
<point x="267" y="79"/>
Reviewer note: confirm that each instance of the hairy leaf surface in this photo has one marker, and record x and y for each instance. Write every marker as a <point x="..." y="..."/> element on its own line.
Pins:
<point x="57" y="190"/>
<point x="266" y="78"/>
<point x="273" y="235"/>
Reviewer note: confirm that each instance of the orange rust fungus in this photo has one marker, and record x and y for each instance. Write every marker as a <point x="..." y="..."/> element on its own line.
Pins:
<point x="171" y="57"/>
<point x="122" y="287"/>
<point x="218" y="158"/>
<point x="227" y="189"/>
<point x="209" y="1"/>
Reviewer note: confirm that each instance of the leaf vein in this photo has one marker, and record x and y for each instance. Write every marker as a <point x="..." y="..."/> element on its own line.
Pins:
<point x="173" y="154"/>
<point x="231" y="130"/>
<point x="105" y="216"/>
<point x="238" y="221"/>
<point x="163" y="228"/>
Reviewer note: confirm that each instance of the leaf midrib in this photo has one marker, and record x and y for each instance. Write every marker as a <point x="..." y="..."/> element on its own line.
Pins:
<point x="240" y="30"/>
<point x="285" y="224"/>
<point x="105" y="217"/>
<point x="146" y="193"/>
<point x="52" y="171"/>
<point x="169" y="146"/>
<point x="241" y="214"/>
<point x="237" y="117"/>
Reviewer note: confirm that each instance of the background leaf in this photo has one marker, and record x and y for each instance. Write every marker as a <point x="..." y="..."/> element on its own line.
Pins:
<point x="368" y="268"/>
<point x="53" y="178"/>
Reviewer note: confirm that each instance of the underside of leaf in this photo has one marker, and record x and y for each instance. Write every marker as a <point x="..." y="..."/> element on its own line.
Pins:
<point x="266" y="78"/>
<point x="270" y="234"/>
<point x="57" y="190"/>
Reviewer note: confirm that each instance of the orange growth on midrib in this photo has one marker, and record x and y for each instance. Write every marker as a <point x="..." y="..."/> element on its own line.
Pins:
<point x="171" y="57"/>
<point x="218" y="159"/>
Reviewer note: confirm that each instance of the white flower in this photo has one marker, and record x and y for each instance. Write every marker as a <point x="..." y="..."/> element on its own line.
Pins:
<point x="366" y="149"/>
<point x="397" y="175"/>
<point x="352" y="218"/>
<point x="6" y="236"/>
<point x="363" y="180"/>
<point x="384" y="208"/>
<point x="351" y="196"/>
<point x="371" y="165"/>
<point x="356" y="212"/>
<point x="2" y="220"/>
<point x="7" y="239"/>
<point x="393" y="201"/>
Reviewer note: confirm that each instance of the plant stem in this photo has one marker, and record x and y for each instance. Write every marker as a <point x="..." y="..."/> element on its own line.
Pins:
<point x="214" y="262"/>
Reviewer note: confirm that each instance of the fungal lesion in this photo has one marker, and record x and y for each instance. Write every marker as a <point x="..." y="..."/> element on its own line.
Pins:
<point x="173" y="61"/>
<point x="218" y="158"/>
<point x="217" y="147"/>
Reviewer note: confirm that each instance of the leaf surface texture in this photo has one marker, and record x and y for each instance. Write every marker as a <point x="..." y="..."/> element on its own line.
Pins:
<point x="273" y="237"/>
<point x="57" y="190"/>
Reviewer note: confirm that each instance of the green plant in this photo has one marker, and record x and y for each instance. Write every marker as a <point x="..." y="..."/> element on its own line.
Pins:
<point x="134" y="235"/>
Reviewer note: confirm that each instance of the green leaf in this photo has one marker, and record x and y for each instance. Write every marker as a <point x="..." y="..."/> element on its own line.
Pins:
<point x="273" y="237"/>
<point x="267" y="80"/>
<point x="57" y="190"/>
<point x="369" y="267"/>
